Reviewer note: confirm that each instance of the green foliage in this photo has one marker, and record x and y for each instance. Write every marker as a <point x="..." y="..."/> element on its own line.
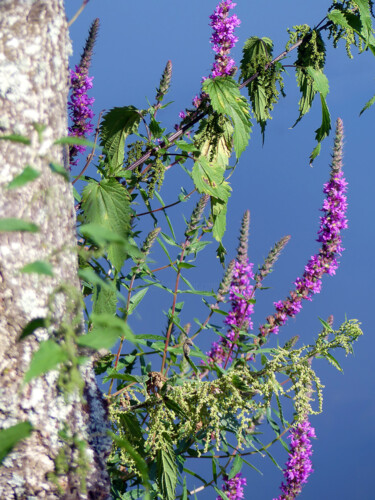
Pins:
<point x="226" y="99"/>
<point x="262" y="90"/>
<point x="38" y="267"/>
<point x="116" y="126"/>
<point x="12" y="224"/>
<point x="11" y="436"/>
<point x="106" y="204"/>
<point x="28" y="174"/>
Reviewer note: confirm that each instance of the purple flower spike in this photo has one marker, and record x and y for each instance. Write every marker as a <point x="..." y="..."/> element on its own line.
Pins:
<point x="80" y="106"/>
<point x="332" y="222"/>
<point x="239" y="317"/>
<point x="298" y="467"/>
<point x="233" y="488"/>
<point x="223" y="38"/>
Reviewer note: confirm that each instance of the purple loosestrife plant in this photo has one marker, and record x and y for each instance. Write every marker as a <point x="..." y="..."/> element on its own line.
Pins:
<point x="80" y="104"/>
<point x="223" y="38"/>
<point x="240" y="293"/>
<point x="233" y="488"/>
<point x="331" y="223"/>
<point x="299" y="466"/>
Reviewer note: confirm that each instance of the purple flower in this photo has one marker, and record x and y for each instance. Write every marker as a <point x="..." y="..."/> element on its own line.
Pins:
<point x="80" y="106"/>
<point x="332" y="222"/>
<point x="298" y="467"/>
<point x="223" y="38"/>
<point x="233" y="488"/>
<point x="239" y="317"/>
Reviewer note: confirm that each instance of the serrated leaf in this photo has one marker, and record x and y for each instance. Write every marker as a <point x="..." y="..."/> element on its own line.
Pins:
<point x="28" y="174"/>
<point x="12" y="224"/>
<point x="46" y="358"/>
<point x="263" y="94"/>
<point x="324" y="129"/>
<point x="226" y="99"/>
<point x="208" y="178"/>
<point x="214" y="139"/>
<point x="106" y="203"/>
<point x="117" y="124"/>
<point x="185" y="146"/>
<point x="320" y="84"/>
<point x="106" y="331"/>
<point x="219" y="216"/>
<point x="167" y="470"/>
<point x="11" y="436"/>
<point x="38" y="267"/>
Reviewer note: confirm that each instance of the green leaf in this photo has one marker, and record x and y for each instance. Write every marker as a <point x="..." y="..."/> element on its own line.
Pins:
<point x="333" y="362"/>
<point x="38" y="267"/>
<point x="208" y="178"/>
<point x="104" y="300"/>
<point x="219" y="215"/>
<point x="185" y="146"/>
<point x="221" y="493"/>
<point x="12" y="224"/>
<point x="226" y="99"/>
<point x="366" y="20"/>
<point x="139" y="461"/>
<point x="117" y="124"/>
<point x="15" y="138"/>
<point x="214" y="139"/>
<point x="46" y="358"/>
<point x="236" y="467"/>
<point x="11" y="436"/>
<point x="106" y="203"/>
<point x="28" y="174"/>
<point x="184" y="490"/>
<point x="320" y="81"/>
<point x="324" y="129"/>
<point x="60" y="170"/>
<point x="107" y="330"/>
<point x="263" y="94"/>
<point x="326" y="325"/>
<point x="72" y="140"/>
<point x="32" y="326"/>
<point x="101" y="235"/>
<point x="136" y="299"/>
<point x="90" y="276"/>
<point x="368" y="105"/>
<point x="166" y="470"/>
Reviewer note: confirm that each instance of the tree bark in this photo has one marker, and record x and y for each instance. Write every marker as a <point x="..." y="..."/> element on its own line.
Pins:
<point x="34" y="49"/>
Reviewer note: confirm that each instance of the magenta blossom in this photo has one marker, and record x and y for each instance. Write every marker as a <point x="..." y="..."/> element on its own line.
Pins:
<point x="223" y="38"/>
<point x="233" y="488"/>
<point x="80" y="106"/>
<point x="332" y="222"/>
<point x="240" y="292"/>
<point x="298" y="467"/>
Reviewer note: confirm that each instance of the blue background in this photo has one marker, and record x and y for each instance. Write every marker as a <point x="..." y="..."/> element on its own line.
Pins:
<point x="283" y="193"/>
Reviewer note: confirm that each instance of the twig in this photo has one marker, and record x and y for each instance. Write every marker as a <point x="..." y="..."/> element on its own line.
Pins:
<point x="78" y="13"/>
<point x="166" y="206"/>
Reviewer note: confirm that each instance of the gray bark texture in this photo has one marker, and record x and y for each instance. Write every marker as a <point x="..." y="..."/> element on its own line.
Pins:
<point x="34" y="50"/>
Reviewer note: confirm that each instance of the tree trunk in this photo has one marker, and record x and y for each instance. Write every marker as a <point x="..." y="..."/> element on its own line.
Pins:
<point x="34" y="49"/>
